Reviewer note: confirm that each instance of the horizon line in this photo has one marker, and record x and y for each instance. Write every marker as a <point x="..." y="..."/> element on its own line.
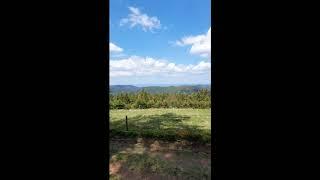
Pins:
<point x="159" y="84"/>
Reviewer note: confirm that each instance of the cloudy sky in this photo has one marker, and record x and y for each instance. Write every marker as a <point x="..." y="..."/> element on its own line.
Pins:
<point x="160" y="42"/>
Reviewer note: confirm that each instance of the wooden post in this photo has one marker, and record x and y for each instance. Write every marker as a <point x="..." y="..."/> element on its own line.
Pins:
<point x="127" y="123"/>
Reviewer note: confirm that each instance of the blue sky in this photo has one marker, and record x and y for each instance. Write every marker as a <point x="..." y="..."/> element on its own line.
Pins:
<point x="160" y="41"/>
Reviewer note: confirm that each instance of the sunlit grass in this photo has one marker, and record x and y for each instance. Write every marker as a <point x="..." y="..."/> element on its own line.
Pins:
<point x="170" y="124"/>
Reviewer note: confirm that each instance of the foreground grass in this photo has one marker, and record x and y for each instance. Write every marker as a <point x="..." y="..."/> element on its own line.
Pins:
<point x="167" y="124"/>
<point x="153" y="159"/>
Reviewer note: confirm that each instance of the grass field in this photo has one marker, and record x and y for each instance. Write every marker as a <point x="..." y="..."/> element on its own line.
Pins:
<point x="167" y="124"/>
<point x="160" y="144"/>
<point x="150" y="159"/>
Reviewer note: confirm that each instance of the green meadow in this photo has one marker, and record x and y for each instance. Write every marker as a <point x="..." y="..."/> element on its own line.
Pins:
<point x="166" y="124"/>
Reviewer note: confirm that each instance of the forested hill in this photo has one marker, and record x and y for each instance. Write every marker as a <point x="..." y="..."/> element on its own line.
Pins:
<point x="187" y="89"/>
<point x="123" y="88"/>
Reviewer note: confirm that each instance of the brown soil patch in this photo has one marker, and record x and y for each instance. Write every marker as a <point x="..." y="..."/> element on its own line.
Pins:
<point x="114" y="168"/>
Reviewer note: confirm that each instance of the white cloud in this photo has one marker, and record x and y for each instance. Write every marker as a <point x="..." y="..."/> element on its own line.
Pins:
<point x="118" y="55"/>
<point x="120" y="73"/>
<point x="140" y="66"/>
<point x="200" y="44"/>
<point x="136" y="18"/>
<point x="114" y="48"/>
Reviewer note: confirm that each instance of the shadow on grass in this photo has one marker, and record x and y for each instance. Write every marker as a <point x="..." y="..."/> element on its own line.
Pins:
<point x="169" y="126"/>
<point x="142" y="159"/>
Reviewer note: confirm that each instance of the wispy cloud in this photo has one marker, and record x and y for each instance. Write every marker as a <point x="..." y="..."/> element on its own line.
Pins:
<point x="200" y="44"/>
<point x="114" y="48"/>
<point x="146" y="66"/>
<point x="136" y="18"/>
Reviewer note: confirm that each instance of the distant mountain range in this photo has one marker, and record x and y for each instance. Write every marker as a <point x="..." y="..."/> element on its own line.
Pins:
<point x="114" y="89"/>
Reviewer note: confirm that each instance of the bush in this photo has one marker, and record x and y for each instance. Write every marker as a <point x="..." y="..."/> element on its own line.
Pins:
<point x="119" y="105"/>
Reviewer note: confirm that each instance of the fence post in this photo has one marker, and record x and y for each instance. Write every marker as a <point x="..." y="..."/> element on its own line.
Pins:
<point x="127" y="123"/>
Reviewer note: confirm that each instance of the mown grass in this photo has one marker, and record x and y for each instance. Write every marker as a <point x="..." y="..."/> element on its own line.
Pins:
<point x="167" y="124"/>
<point x="145" y="165"/>
<point x="154" y="159"/>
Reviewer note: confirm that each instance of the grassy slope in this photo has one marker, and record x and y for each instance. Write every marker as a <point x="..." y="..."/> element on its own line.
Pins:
<point x="169" y="124"/>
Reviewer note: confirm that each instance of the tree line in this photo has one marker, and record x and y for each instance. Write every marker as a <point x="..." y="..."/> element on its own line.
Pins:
<point x="143" y="100"/>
